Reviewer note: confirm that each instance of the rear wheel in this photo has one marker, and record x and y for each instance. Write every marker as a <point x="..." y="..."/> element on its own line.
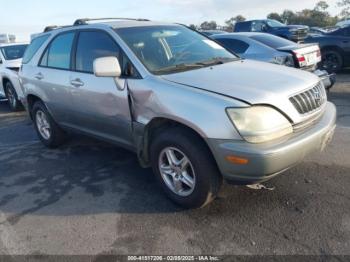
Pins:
<point x="185" y="168"/>
<point x="332" y="61"/>
<point x="12" y="97"/>
<point x="50" y="134"/>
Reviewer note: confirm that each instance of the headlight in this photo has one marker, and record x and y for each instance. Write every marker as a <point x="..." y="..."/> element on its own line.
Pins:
<point x="258" y="124"/>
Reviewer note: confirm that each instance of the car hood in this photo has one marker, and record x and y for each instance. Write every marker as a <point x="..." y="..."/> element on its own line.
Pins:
<point x="252" y="82"/>
<point x="13" y="63"/>
<point x="298" y="26"/>
<point x="291" y="27"/>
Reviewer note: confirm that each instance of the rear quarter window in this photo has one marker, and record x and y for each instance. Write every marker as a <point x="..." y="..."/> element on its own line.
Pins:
<point x="33" y="48"/>
<point x="272" y="41"/>
<point x="234" y="45"/>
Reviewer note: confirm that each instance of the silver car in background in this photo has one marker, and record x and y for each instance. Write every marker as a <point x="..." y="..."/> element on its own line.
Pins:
<point x="277" y="50"/>
<point x="187" y="107"/>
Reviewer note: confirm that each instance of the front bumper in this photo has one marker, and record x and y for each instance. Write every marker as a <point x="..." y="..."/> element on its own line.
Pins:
<point x="270" y="159"/>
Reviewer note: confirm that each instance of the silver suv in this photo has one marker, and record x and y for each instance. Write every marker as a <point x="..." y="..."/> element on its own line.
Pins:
<point x="187" y="107"/>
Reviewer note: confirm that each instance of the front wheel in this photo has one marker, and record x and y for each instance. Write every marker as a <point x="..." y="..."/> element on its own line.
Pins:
<point x="12" y="97"/>
<point x="185" y="168"/>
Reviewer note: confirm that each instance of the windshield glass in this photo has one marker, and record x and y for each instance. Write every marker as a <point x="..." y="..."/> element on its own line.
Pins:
<point x="170" y="49"/>
<point x="274" y="23"/>
<point x="273" y="41"/>
<point x="13" y="52"/>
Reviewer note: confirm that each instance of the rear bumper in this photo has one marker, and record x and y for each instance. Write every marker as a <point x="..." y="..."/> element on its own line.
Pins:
<point x="270" y="159"/>
<point x="328" y="80"/>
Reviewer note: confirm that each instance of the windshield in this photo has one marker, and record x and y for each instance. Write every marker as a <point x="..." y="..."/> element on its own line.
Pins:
<point x="273" y="41"/>
<point x="13" y="52"/>
<point x="274" y="23"/>
<point x="170" y="49"/>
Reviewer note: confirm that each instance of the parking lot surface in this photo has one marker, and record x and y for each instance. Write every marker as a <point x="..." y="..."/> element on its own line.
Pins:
<point x="91" y="198"/>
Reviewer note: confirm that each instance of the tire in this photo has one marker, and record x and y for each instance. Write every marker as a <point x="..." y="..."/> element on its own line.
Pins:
<point x="12" y="97"/>
<point x="50" y="134"/>
<point x="201" y="168"/>
<point x="332" y="61"/>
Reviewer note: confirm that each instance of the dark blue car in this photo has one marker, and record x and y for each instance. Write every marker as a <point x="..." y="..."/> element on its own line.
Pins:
<point x="335" y="48"/>
<point x="296" y="33"/>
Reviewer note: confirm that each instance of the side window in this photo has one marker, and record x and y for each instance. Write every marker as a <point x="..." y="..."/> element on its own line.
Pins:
<point x="33" y="48"/>
<point x="234" y="45"/>
<point x="257" y="26"/>
<point x="92" y="45"/>
<point x="58" y="54"/>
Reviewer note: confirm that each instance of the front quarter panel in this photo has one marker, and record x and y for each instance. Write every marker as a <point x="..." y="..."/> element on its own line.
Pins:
<point x="203" y="111"/>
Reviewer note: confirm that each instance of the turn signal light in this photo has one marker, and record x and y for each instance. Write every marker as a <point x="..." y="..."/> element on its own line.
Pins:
<point x="237" y="160"/>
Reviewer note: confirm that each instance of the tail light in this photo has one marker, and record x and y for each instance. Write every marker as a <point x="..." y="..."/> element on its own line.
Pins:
<point x="301" y="58"/>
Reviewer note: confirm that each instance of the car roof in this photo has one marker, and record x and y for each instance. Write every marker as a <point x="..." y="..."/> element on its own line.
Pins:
<point x="133" y="23"/>
<point x="100" y="24"/>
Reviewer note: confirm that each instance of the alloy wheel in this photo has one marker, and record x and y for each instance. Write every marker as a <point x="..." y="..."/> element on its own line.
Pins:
<point x="43" y="125"/>
<point x="177" y="171"/>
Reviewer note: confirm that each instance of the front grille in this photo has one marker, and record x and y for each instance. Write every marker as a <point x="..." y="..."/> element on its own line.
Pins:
<point x="300" y="34"/>
<point x="310" y="100"/>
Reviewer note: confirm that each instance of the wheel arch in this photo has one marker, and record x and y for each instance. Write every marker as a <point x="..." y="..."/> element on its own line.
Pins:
<point x="5" y="80"/>
<point x="31" y="100"/>
<point x="146" y="134"/>
<point x="332" y="48"/>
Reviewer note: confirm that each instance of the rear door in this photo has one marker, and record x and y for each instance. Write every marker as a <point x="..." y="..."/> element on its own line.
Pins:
<point x="100" y="108"/>
<point x="52" y="77"/>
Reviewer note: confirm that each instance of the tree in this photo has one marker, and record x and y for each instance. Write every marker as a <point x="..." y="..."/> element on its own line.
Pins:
<point x="321" y="6"/>
<point x="288" y="16"/>
<point x="209" y="25"/>
<point x="318" y="16"/>
<point x="233" y="20"/>
<point x="345" y="4"/>
<point x="275" y="16"/>
<point x="193" y="26"/>
<point x="230" y="23"/>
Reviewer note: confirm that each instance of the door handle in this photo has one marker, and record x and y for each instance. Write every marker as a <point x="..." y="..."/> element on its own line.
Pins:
<point x="77" y="83"/>
<point x="39" y="76"/>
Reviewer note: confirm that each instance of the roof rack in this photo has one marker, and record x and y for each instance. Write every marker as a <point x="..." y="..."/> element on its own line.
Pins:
<point x="84" y="21"/>
<point x="54" y="27"/>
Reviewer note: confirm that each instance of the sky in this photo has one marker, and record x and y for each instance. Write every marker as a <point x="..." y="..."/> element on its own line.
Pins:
<point x="24" y="17"/>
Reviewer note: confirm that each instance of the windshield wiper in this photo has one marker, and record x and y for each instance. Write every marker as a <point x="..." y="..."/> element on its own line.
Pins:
<point x="217" y="61"/>
<point x="178" y="67"/>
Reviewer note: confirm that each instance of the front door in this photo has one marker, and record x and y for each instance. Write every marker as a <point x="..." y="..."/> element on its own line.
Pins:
<point x="100" y="107"/>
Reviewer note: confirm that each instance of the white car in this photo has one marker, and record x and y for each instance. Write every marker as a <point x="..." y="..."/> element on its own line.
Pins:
<point x="10" y="62"/>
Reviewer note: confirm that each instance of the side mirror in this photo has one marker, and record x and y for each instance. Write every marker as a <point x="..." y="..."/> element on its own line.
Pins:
<point x="107" y="67"/>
